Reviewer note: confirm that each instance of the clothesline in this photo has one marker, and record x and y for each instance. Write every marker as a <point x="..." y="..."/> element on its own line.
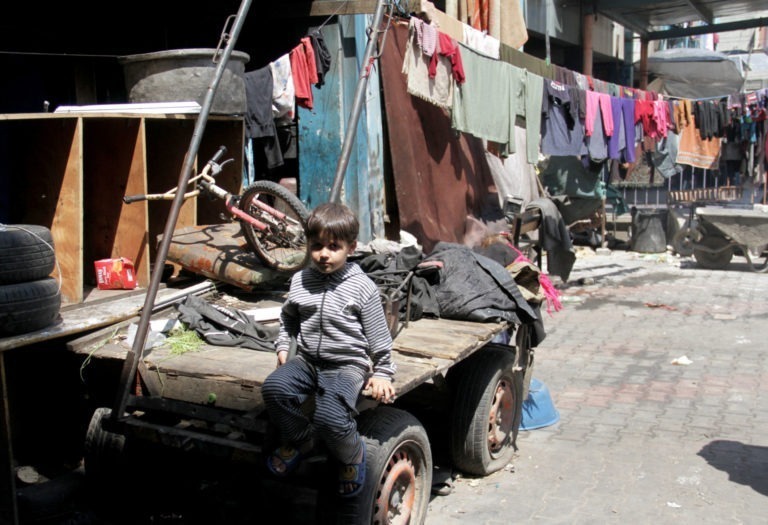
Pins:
<point x="565" y="113"/>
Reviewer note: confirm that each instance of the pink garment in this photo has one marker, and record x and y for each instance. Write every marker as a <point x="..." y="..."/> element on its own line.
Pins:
<point x="426" y="36"/>
<point x="661" y="117"/>
<point x="447" y="46"/>
<point x="597" y="100"/>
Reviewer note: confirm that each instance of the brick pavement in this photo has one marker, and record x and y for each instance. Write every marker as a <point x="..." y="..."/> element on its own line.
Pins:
<point x="641" y="440"/>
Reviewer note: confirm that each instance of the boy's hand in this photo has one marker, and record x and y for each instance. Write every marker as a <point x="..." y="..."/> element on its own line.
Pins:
<point x="282" y="357"/>
<point x="381" y="389"/>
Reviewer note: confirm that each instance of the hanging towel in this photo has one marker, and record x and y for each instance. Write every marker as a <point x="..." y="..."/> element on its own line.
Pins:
<point x="437" y="89"/>
<point x="283" y="92"/>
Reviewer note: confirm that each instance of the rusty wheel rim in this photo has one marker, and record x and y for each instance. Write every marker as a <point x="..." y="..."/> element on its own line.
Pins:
<point x="501" y="417"/>
<point x="396" y="493"/>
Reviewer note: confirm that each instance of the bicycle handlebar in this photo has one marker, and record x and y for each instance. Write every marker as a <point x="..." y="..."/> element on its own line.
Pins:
<point x="212" y="165"/>
<point x="128" y="199"/>
<point x="219" y="153"/>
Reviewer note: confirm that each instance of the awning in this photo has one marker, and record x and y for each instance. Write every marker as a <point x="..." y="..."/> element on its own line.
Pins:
<point x="694" y="73"/>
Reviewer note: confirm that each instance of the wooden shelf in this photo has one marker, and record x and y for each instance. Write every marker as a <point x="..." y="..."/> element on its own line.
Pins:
<point x="69" y="172"/>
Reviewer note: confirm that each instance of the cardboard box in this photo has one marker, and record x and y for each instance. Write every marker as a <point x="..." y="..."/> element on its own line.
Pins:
<point x="115" y="274"/>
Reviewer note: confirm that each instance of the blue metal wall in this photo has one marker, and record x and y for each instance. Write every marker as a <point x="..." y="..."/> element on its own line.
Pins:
<point x="322" y="129"/>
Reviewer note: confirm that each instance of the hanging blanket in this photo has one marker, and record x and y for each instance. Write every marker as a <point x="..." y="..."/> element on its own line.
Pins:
<point x="473" y="287"/>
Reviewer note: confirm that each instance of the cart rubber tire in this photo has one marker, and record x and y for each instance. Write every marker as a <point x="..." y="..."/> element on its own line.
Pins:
<point x="283" y="246"/>
<point x="684" y="240"/>
<point x="103" y="456"/>
<point x="398" y="473"/>
<point x="486" y="411"/>
<point x="713" y="261"/>
<point x="26" y="253"/>
<point x="26" y="307"/>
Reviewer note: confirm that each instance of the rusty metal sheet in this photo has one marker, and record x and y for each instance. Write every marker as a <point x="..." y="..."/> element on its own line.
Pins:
<point x="442" y="180"/>
<point x="220" y="251"/>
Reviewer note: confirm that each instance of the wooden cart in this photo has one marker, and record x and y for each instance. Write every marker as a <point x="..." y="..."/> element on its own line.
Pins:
<point x="209" y="401"/>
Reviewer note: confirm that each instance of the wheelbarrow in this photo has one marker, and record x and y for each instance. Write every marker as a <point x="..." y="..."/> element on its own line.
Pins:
<point x="720" y="231"/>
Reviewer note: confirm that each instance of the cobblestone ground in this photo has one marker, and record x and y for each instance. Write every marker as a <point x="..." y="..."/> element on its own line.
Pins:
<point x="641" y="439"/>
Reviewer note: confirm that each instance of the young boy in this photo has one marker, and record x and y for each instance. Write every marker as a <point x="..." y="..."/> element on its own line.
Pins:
<point x="334" y="311"/>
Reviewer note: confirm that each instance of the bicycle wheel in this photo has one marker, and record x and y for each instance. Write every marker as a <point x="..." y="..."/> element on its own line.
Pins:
<point x="280" y="240"/>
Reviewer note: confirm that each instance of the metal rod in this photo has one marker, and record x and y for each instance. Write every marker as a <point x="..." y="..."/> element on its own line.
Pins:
<point x="131" y="364"/>
<point x="7" y="470"/>
<point x="357" y="105"/>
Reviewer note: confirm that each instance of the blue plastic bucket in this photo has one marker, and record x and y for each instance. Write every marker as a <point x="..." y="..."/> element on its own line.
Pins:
<point x="538" y="409"/>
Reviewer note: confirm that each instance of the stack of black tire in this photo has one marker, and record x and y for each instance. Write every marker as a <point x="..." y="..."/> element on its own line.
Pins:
<point x="29" y="298"/>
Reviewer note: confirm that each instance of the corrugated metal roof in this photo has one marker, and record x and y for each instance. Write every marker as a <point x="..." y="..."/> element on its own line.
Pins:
<point x="650" y="17"/>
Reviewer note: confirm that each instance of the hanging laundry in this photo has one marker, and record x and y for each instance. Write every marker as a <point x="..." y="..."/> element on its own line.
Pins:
<point x="426" y="36"/>
<point x="304" y="72"/>
<point x="448" y="47"/>
<point x="437" y="89"/>
<point x="481" y="42"/>
<point x="617" y="141"/>
<point x="698" y="152"/>
<point x="628" y="117"/>
<point x="283" y="92"/>
<point x="487" y="106"/>
<point x="259" y="122"/>
<point x="562" y="131"/>
<point x="322" y="55"/>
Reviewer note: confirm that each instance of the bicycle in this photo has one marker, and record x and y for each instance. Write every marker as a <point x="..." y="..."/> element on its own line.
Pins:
<point x="272" y="218"/>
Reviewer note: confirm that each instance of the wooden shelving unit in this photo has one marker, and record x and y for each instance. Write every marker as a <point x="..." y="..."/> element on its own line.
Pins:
<point x="69" y="172"/>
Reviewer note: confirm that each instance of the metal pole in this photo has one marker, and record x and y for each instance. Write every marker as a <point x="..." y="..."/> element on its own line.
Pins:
<point x="357" y="105"/>
<point x="547" y="16"/>
<point x="7" y="467"/>
<point x="132" y="359"/>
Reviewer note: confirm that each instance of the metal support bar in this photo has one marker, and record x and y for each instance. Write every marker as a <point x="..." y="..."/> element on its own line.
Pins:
<point x="132" y="359"/>
<point x="9" y="512"/>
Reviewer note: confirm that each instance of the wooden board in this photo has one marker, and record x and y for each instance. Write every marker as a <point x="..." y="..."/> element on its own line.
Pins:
<point x="231" y="377"/>
<point x="91" y="316"/>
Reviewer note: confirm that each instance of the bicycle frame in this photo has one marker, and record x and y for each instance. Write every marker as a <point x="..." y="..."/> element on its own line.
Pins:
<point x="208" y="182"/>
<point x="272" y="219"/>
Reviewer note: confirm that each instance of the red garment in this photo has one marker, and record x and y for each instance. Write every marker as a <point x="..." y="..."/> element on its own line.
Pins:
<point x="645" y="112"/>
<point x="303" y="71"/>
<point x="448" y="47"/>
<point x="311" y="62"/>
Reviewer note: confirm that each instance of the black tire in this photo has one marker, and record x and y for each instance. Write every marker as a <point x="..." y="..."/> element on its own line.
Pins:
<point x="30" y="306"/>
<point x="713" y="261"/>
<point x="26" y="253"/>
<point x="398" y="473"/>
<point x="684" y="240"/>
<point x="282" y="245"/>
<point x="486" y="411"/>
<point x="103" y="456"/>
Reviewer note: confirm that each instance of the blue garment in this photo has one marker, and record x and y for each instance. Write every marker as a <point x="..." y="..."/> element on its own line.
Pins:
<point x="562" y="131"/>
<point x="628" y="112"/>
<point x="335" y="388"/>
<point x="618" y="139"/>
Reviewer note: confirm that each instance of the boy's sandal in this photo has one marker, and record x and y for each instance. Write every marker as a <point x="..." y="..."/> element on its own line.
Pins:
<point x="352" y="475"/>
<point x="286" y="456"/>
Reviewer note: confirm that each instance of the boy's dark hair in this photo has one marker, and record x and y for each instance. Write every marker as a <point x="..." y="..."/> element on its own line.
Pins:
<point x="333" y="220"/>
